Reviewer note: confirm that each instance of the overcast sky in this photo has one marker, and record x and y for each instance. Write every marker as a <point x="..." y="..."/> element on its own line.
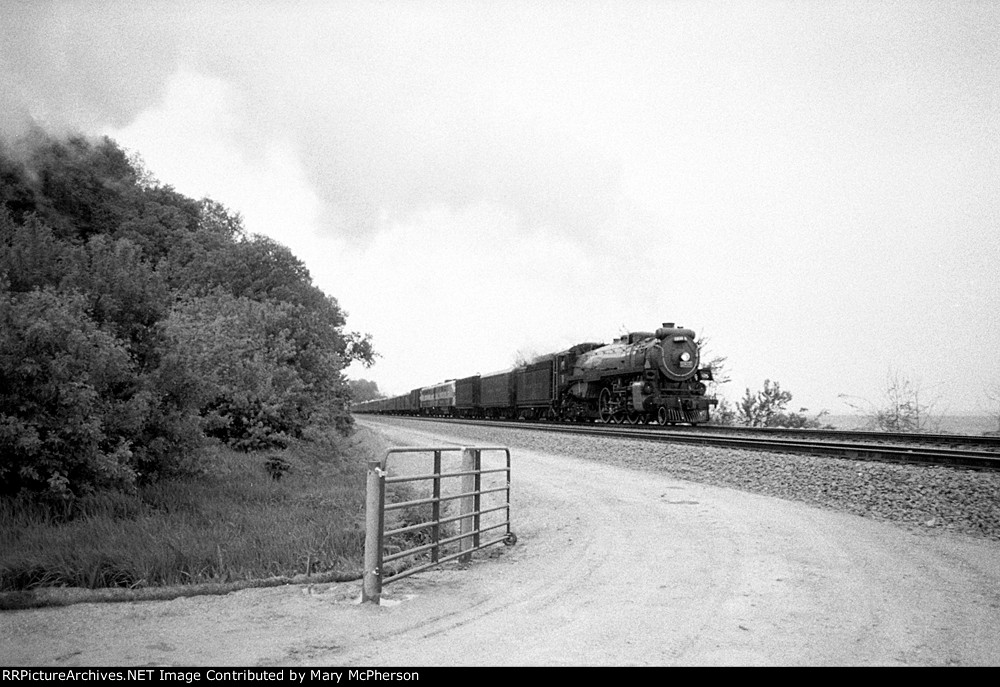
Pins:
<point x="814" y="186"/>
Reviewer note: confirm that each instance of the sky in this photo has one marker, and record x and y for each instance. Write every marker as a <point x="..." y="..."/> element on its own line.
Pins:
<point x="814" y="187"/>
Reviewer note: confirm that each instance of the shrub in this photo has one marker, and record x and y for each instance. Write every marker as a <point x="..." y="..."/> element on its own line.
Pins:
<point x="904" y="407"/>
<point x="71" y="402"/>
<point x="766" y="408"/>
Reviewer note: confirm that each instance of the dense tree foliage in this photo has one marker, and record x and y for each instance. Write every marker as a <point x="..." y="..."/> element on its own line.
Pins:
<point x="137" y="321"/>
<point x="364" y="390"/>
<point x="766" y="408"/>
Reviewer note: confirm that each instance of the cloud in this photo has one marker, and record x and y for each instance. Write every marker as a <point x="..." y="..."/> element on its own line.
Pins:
<point x="394" y="121"/>
<point x="393" y="108"/>
<point x="78" y="66"/>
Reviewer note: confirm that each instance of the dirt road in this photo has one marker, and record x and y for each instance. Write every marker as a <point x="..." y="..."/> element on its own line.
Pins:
<point x="612" y="567"/>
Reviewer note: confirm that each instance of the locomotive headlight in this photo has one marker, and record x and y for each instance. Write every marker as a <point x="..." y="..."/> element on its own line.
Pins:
<point x="685" y="356"/>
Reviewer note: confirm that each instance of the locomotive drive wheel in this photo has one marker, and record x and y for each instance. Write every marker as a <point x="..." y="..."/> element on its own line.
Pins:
<point x="604" y="405"/>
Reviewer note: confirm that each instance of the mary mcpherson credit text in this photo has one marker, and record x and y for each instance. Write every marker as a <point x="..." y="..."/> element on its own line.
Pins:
<point x="213" y="675"/>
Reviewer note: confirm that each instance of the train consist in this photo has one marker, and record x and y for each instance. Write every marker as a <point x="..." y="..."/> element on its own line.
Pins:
<point x="639" y="378"/>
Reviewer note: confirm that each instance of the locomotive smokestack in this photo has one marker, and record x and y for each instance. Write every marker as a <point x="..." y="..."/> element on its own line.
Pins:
<point x="668" y="325"/>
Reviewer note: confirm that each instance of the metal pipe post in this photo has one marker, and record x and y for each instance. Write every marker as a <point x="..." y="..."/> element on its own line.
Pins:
<point x="374" y="526"/>
<point x="467" y="505"/>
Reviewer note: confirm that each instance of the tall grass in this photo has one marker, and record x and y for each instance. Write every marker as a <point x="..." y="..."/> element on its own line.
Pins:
<point x="233" y="522"/>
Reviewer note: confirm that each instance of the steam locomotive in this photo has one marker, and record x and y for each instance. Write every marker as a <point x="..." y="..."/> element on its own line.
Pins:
<point x="641" y="377"/>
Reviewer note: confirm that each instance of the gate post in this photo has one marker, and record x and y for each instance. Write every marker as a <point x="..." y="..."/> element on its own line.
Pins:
<point x="466" y="506"/>
<point x="436" y="508"/>
<point x="374" y="506"/>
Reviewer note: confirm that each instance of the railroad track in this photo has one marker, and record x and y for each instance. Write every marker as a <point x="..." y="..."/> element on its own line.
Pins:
<point x="978" y="442"/>
<point x="923" y="449"/>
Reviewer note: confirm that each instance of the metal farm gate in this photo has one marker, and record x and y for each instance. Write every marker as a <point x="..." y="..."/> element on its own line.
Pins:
<point x="427" y="541"/>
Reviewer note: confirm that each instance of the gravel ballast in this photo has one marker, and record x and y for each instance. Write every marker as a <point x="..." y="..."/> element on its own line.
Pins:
<point x="930" y="498"/>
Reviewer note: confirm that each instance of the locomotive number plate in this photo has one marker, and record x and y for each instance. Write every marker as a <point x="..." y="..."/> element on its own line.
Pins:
<point x="687" y="363"/>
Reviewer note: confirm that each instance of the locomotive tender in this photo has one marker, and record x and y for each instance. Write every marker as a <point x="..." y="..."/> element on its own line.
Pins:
<point x="639" y="378"/>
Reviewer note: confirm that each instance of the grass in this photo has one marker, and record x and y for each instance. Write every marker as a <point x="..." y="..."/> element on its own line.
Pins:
<point x="234" y="522"/>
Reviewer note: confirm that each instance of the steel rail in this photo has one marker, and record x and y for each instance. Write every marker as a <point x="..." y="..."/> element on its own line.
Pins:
<point x="868" y="435"/>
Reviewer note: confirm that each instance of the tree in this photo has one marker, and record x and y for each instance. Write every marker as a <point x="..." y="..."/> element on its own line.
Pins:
<point x="126" y="295"/>
<point x="159" y="220"/>
<point x="766" y="408"/>
<point x="759" y="409"/>
<point x="725" y="413"/>
<point x="73" y="408"/>
<point x="31" y="256"/>
<point x="135" y="320"/>
<point x="363" y="390"/>
<point x="718" y="364"/>
<point x="241" y="351"/>
<point x="82" y="402"/>
<point x="80" y="188"/>
<point x="904" y="407"/>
